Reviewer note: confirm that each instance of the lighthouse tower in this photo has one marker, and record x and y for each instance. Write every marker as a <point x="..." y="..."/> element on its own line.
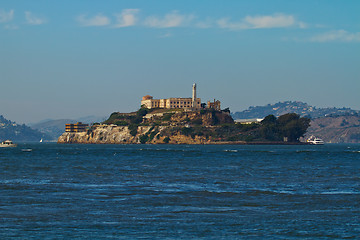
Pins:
<point x="194" y="95"/>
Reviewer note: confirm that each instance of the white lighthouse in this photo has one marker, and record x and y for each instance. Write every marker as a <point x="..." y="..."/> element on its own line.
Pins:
<point x="194" y="95"/>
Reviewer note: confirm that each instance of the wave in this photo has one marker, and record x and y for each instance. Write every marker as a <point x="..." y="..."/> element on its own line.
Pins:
<point x="341" y="193"/>
<point x="167" y="150"/>
<point x="24" y="182"/>
<point x="305" y="151"/>
<point x="230" y="150"/>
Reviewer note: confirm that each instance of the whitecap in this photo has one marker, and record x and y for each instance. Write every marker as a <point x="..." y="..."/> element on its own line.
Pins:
<point x="230" y="150"/>
<point x="340" y="193"/>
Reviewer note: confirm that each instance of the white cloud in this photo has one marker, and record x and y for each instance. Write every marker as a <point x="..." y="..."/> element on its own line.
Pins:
<point x="126" y="18"/>
<point x="276" y="21"/>
<point x="337" y="36"/>
<point x="166" y="35"/>
<point x="129" y="17"/>
<point x="6" y="16"/>
<point x="302" y="25"/>
<point x="170" y="20"/>
<point x="33" y="20"/>
<point x="257" y="22"/>
<point x="98" y="20"/>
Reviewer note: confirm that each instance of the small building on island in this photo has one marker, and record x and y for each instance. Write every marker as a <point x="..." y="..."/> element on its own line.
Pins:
<point x="215" y="105"/>
<point x="77" y="127"/>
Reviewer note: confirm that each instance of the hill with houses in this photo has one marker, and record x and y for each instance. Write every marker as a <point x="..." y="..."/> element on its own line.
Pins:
<point x="18" y="132"/>
<point x="301" y="108"/>
<point x="333" y="125"/>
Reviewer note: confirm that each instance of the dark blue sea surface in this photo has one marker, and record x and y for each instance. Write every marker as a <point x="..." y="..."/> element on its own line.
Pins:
<point x="179" y="192"/>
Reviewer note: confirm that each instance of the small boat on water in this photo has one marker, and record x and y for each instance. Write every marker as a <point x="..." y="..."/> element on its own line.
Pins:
<point x="8" y="143"/>
<point x="315" y="140"/>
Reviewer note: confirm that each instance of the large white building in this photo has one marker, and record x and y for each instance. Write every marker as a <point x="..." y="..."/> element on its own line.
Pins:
<point x="185" y="103"/>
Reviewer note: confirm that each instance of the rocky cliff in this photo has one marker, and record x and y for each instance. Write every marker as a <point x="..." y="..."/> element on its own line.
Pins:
<point x="206" y="126"/>
<point x="156" y="127"/>
<point x="112" y="134"/>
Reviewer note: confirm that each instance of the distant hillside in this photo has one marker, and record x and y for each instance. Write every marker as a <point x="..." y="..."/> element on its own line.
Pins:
<point x="301" y="108"/>
<point x="337" y="129"/>
<point x="16" y="132"/>
<point x="54" y="128"/>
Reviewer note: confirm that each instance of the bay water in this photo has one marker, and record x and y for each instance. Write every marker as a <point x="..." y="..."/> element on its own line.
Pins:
<point x="53" y="191"/>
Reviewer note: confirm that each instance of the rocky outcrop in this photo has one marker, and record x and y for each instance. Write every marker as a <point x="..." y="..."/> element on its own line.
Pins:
<point x="175" y="127"/>
<point x="206" y="126"/>
<point x="156" y="127"/>
<point x="99" y="134"/>
<point x="112" y="134"/>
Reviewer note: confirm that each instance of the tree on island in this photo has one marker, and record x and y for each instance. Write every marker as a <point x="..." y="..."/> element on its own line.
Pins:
<point x="289" y="126"/>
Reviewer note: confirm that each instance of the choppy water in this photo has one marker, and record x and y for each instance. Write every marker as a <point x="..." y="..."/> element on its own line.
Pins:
<point x="210" y="192"/>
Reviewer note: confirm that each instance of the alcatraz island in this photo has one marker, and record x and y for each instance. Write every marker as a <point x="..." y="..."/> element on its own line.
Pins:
<point x="186" y="121"/>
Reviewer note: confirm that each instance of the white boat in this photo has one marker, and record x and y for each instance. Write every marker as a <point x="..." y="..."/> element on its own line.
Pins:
<point x="8" y="143"/>
<point x="41" y="140"/>
<point x="315" y="140"/>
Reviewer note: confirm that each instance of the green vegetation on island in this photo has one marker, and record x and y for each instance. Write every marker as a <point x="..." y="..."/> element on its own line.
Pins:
<point x="207" y="125"/>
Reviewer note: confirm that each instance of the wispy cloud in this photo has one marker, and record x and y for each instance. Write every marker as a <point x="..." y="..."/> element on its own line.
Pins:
<point x="275" y="21"/>
<point x="98" y="20"/>
<point x="258" y="22"/>
<point x="33" y="20"/>
<point x="166" y="35"/>
<point x="11" y="26"/>
<point x="170" y="20"/>
<point x="130" y="17"/>
<point x="126" y="18"/>
<point x="337" y="36"/>
<point x="6" y="16"/>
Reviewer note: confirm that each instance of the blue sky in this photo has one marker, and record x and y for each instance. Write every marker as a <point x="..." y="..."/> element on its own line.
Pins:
<point x="68" y="59"/>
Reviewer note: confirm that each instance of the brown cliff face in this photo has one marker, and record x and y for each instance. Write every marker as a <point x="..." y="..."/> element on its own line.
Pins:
<point x="105" y="134"/>
<point x="175" y="128"/>
<point x="99" y="134"/>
